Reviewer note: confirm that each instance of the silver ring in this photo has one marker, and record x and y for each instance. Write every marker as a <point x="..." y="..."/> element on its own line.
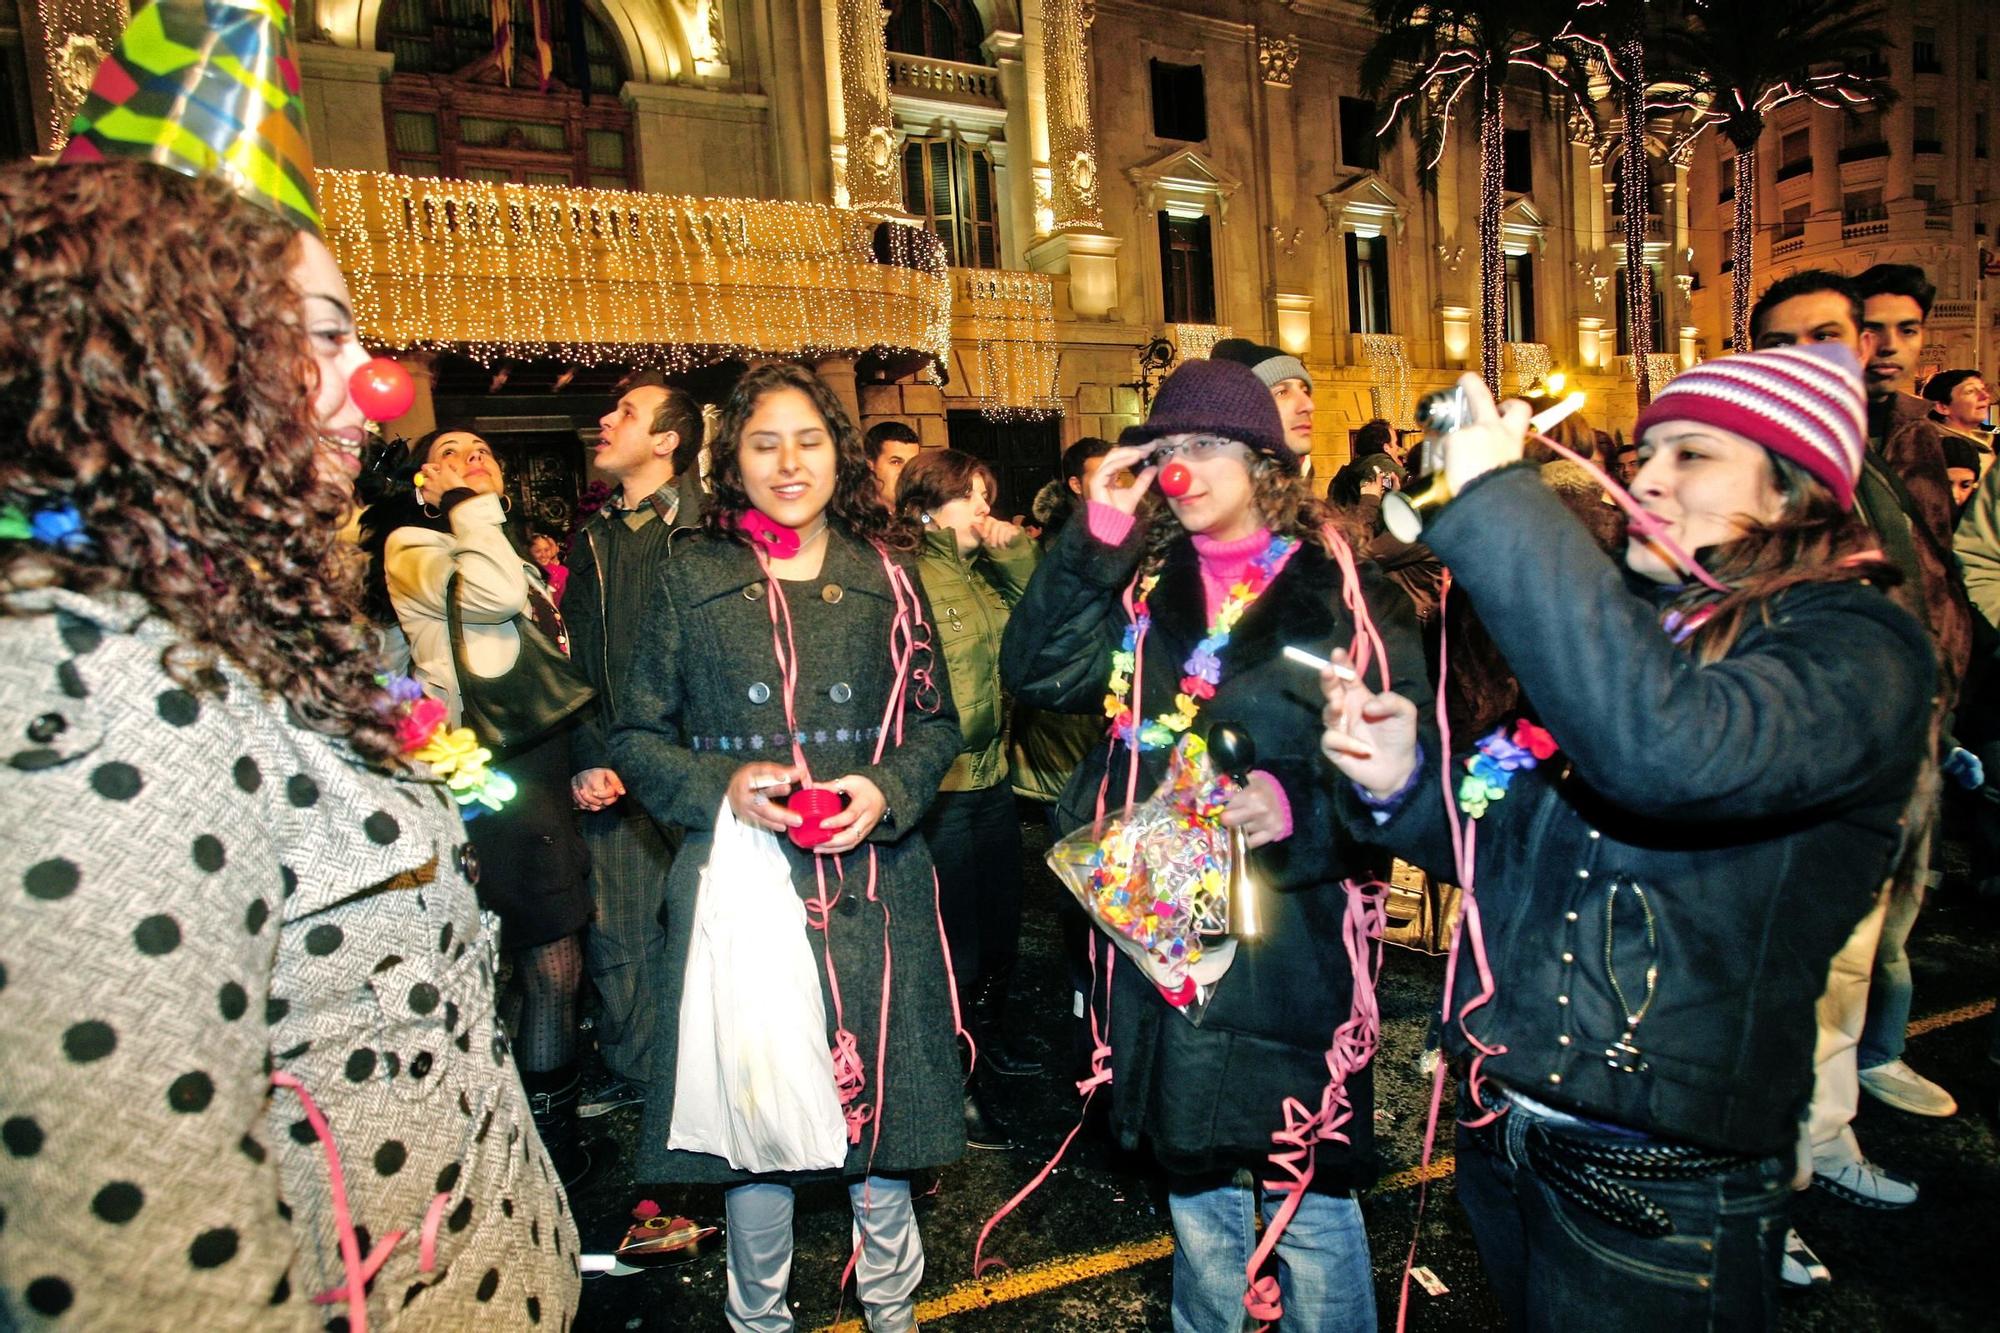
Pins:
<point x="761" y="799"/>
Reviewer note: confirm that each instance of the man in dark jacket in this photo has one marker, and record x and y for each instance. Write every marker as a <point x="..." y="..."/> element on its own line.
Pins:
<point x="649" y="444"/>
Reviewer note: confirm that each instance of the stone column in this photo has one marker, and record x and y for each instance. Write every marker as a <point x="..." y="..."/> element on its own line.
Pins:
<point x="1072" y="138"/>
<point x="870" y="131"/>
<point x="1079" y="245"/>
<point x="421" y="419"/>
<point x="1277" y="59"/>
<point x="342" y="92"/>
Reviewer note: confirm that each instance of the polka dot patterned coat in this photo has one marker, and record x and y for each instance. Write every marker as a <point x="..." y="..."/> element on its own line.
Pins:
<point x="195" y="894"/>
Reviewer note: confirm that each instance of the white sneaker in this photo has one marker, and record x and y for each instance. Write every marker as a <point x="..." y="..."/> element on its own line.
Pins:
<point x="1801" y="1267"/>
<point x="1863" y="1183"/>
<point x="1905" y="1089"/>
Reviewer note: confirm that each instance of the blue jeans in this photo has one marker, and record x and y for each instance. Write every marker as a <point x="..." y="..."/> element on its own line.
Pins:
<point x="1891" y="990"/>
<point x="1556" y="1266"/>
<point x="1324" y="1277"/>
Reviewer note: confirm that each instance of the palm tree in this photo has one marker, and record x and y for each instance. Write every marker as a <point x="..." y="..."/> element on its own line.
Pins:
<point x="1427" y="57"/>
<point x="1619" y="30"/>
<point x="1740" y="62"/>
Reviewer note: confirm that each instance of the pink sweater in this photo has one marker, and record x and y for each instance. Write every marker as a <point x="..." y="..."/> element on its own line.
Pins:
<point x="1223" y="565"/>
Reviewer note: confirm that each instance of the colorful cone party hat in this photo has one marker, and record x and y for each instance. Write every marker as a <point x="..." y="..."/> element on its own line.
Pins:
<point x="206" y="87"/>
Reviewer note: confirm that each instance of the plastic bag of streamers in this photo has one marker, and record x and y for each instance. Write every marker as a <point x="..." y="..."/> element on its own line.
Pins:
<point x="1156" y="880"/>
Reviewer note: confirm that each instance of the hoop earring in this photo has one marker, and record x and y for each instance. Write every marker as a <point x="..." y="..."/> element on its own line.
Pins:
<point x="430" y="510"/>
<point x="506" y="503"/>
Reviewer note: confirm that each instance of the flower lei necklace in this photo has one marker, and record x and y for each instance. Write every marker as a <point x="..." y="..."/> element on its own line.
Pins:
<point x="453" y="755"/>
<point x="1202" y="671"/>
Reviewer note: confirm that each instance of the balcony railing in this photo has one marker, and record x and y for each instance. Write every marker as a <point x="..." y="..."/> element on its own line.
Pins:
<point x="1938" y="219"/>
<point x="1788" y="245"/>
<point x="1655" y="224"/>
<point x="1792" y="170"/>
<point x="1952" y="312"/>
<point x="1853" y="230"/>
<point x="525" y="270"/>
<point x="944" y="80"/>
<point x="1862" y="152"/>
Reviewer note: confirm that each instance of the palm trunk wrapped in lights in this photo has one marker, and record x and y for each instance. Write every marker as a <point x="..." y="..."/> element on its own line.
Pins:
<point x="1634" y="187"/>
<point x="1742" y="233"/>
<point x="1492" y="265"/>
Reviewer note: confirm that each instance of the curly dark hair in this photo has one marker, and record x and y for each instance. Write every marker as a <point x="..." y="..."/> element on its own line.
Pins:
<point x="155" y="374"/>
<point x="856" y="505"/>
<point x="1283" y="498"/>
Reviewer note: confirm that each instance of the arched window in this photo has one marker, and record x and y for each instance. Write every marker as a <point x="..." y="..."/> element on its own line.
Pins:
<point x="455" y="112"/>
<point x="940" y="29"/>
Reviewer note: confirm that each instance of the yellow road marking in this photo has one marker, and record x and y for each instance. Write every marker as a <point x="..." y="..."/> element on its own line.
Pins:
<point x="980" y="1294"/>
<point x="1963" y="1014"/>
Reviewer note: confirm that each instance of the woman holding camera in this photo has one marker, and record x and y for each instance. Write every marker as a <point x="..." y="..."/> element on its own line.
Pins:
<point x="1667" y="871"/>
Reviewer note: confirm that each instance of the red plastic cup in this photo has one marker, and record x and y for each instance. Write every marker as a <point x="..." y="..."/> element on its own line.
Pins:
<point x="814" y="805"/>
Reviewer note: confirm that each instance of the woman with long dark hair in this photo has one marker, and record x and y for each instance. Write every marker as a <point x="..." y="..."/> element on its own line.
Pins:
<point x="1167" y="607"/>
<point x="1735" y="723"/>
<point x="974" y="568"/>
<point x="247" y="1021"/>
<point x="791" y="648"/>
<point x="441" y="537"/>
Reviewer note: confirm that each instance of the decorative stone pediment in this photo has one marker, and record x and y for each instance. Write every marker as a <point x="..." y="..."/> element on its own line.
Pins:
<point x="1523" y="230"/>
<point x="1183" y="183"/>
<point x="1366" y="205"/>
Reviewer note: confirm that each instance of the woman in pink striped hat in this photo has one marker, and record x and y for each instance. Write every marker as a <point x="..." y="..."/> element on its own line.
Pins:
<point x="1734" y="720"/>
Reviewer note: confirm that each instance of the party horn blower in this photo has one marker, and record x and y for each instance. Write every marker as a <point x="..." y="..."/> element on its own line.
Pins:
<point x="1231" y="748"/>
<point x="1403" y="511"/>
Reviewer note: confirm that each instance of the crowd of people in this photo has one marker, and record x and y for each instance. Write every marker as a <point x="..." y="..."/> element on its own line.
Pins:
<point x="339" y="798"/>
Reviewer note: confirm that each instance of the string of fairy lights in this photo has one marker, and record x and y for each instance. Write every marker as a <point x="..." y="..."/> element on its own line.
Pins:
<point x="1072" y="140"/>
<point x="1196" y="341"/>
<point x="1387" y="357"/>
<point x="601" y="276"/>
<point x="1531" y="364"/>
<point x="1013" y="361"/>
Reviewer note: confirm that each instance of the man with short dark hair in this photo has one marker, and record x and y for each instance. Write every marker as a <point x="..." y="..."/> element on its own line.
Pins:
<point x="1819" y="306"/>
<point x="890" y="445"/>
<point x="649" y="444"/>
<point x="1377" y="436"/>
<point x="1290" y="385"/>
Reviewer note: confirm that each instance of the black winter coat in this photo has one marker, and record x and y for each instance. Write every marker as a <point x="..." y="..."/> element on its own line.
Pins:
<point x="705" y="698"/>
<point x="1209" y="1097"/>
<point x="1754" y="803"/>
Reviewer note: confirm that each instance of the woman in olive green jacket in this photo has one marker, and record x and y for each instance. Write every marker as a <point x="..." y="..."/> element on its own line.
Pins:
<point x="974" y="568"/>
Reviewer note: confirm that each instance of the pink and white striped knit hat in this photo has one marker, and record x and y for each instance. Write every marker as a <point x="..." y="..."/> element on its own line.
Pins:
<point x="1806" y="403"/>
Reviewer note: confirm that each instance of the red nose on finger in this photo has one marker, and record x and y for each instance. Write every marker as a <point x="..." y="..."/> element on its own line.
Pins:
<point x="382" y="389"/>
<point x="1175" y="480"/>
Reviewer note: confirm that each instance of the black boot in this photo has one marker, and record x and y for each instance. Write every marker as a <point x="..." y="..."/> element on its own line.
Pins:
<point x="552" y="1101"/>
<point x="989" y="1013"/>
<point x="983" y="1129"/>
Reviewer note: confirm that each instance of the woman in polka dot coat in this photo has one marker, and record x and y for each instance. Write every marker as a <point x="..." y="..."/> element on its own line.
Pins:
<point x="216" y="902"/>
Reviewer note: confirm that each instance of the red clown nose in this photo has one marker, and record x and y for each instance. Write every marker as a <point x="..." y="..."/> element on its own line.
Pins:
<point x="1175" y="480"/>
<point x="382" y="389"/>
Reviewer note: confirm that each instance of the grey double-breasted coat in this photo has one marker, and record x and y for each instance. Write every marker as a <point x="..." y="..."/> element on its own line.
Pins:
<point x="705" y="698"/>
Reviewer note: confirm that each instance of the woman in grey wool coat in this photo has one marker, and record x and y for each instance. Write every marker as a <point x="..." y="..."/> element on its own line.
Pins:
<point x="711" y="715"/>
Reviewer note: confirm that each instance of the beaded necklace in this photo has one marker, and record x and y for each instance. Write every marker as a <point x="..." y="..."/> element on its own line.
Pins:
<point x="1202" y="671"/>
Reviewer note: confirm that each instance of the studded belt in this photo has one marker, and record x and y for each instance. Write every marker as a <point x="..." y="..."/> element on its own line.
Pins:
<point x="1602" y="1175"/>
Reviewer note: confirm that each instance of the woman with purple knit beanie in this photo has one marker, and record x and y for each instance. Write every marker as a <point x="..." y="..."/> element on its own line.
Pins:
<point x="1168" y="608"/>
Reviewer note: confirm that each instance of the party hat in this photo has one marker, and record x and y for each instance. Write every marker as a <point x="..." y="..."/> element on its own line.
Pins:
<point x="206" y="87"/>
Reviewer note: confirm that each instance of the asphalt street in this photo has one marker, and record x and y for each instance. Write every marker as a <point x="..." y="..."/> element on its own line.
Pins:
<point x="1090" y="1249"/>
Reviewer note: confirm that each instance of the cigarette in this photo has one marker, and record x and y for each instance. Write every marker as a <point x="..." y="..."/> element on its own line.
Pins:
<point x="1540" y="422"/>
<point x="1317" y="663"/>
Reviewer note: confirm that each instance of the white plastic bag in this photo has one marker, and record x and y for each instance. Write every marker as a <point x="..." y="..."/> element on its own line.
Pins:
<point x="753" y="1083"/>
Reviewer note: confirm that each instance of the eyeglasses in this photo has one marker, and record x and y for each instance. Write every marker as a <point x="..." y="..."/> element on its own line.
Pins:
<point x="1199" y="448"/>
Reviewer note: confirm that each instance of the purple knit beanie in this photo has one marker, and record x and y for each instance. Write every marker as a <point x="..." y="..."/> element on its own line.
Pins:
<point x="1220" y="398"/>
